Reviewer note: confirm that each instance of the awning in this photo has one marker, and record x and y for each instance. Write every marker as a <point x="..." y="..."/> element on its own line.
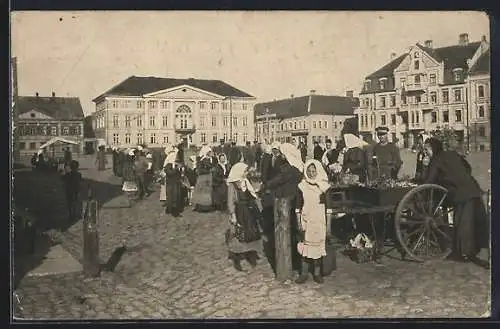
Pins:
<point x="58" y="140"/>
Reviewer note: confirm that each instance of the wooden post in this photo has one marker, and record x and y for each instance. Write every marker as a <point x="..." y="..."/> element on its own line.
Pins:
<point x="91" y="261"/>
<point x="282" y="234"/>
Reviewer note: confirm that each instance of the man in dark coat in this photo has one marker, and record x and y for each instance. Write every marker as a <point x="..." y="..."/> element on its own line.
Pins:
<point x="219" y="148"/>
<point x="234" y="154"/>
<point x="250" y="154"/>
<point x="258" y="153"/>
<point x="385" y="159"/>
<point x="226" y="148"/>
<point x="330" y="156"/>
<point x="317" y="151"/>
<point x="303" y="151"/>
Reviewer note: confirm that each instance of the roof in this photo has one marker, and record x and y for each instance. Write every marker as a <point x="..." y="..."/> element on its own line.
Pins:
<point x="139" y="86"/>
<point x="60" y="108"/>
<point x="297" y="106"/>
<point x="482" y="66"/>
<point x="58" y="140"/>
<point x="388" y="69"/>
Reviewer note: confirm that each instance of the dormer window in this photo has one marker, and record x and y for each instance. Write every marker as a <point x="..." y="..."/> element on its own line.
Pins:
<point x="382" y="83"/>
<point x="416" y="65"/>
<point x="458" y="74"/>
<point x="416" y="54"/>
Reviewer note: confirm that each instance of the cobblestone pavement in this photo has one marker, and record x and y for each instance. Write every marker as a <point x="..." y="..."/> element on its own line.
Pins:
<point x="178" y="268"/>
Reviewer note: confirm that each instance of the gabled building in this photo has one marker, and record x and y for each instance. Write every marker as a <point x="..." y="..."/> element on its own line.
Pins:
<point x="307" y="118"/>
<point x="420" y="91"/>
<point x="42" y="118"/>
<point x="479" y="86"/>
<point x="156" y="111"/>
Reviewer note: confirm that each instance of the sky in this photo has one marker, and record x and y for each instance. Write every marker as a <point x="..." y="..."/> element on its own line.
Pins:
<point x="268" y="54"/>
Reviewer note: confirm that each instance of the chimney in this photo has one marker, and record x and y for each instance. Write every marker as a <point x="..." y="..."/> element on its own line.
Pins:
<point x="53" y="94"/>
<point x="349" y="94"/>
<point x="463" y="39"/>
<point x="428" y="43"/>
<point x="312" y="91"/>
<point x="291" y="96"/>
<point x="393" y="55"/>
<point x="37" y="94"/>
<point x="483" y="39"/>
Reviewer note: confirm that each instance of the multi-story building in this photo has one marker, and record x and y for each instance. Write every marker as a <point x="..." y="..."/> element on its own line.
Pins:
<point x="479" y="104"/>
<point x="156" y="111"/>
<point x="42" y="118"/>
<point x="15" y="139"/>
<point x="420" y="91"/>
<point x="306" y="118"/>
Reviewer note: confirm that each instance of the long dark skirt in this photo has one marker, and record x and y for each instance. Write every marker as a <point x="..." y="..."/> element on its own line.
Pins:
<point x="246" y="235"/>
<point x="219" y="196"/>
<point x="471" y="232"/>
<point x="176" y="194"/>
<point x="202" y="194"/>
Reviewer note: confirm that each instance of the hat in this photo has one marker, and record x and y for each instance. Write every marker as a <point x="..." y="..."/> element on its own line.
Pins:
<point x="382" y="130"/>
<point x="149" y="156"/>
<point x="140" y="148"/>
<point x="328" y="141"/>
<point x="131" y="152"/>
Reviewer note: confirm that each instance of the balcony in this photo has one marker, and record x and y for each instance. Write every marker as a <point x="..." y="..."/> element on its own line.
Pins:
<point x="425" y="106"/>
<point x="414" y="87"/>
<point x="416" y="126"/>
<point x="189" y="129"/>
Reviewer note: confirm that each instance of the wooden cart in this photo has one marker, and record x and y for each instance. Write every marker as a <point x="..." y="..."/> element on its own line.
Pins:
<point x="417" y="220"/>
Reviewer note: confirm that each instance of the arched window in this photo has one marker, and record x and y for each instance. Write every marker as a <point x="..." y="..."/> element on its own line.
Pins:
<point x="183" y="115"/>
<point x="480" y="91"/>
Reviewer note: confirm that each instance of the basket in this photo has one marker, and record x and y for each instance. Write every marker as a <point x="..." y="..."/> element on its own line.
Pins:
<point x="360" y="255"/>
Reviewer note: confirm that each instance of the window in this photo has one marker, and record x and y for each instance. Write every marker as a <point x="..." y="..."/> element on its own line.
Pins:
<point x="458" y="115"/>
<point x="433" y="97"/>
<point x="383" y="121"/>
<point x="214" y="138"/>
<point x="368" y="84"/>
<point x="114" y="104"/>
<point x="457" y="75"/>
<point x="65" y="131"/>
<point x="32" y="145"/>
<point x="295" y="125"/>
<point x="140" y="104"/>
<point x="225" y="122"/>
<point x="289" y="126"/>
<point x="412" y="117"/>
<point x="319" y="124"/>
<point x="382" y="101"/>
<point x="127" y="121"/>
<point x="458" y="95"/>
<point x="245" y="122"/>
<point x="235" y="122"/>
<point x="225" y="106"/>
<point x="214" y="121"/>
<point x="418" y="99"/>
<point x="366" y="102"/>
<point x="139" y="121"/>
<point x="245" y="137"/>
<point x="382" y="83"/>
<point x="446" y="117"/>
<point x="393" y="119"/>
<point x="417" y="117"/>
<point x="417" y="79"/>
<point x="403" y="82"/>
<point x="22" y="145"/>
<point x="480" y="91"/>
<point x="314" y="124"/>
<point x="152" y="104"/>
<point x="432" y="79"/>
<point x="403" y="100"/>
<point x="416" y="55"/>
<point x="115" y="121"/>
<point x="480" y="112"/>
<point x="203" y="105"/>
<point x="152" y="120"/>
<point x="202" y="121"/>
<point x="127" y="104"/>
<point x="434" y="117"/>
<point x="152" y="138"/>
<point x="482" y="132"/>
<point x="325" y="124"/>
<point x="235" y="137"/>
<point x="127" y="138"/>
<point x="416" y="65"/>
<point x="116" y="139"/>
<point x="214" y="106"/>
<point x="446" y="96"/>
<point x="244" y="106"/>
<point x="393" y="101"/>
<point x="224" y="137"/>
<point x="203" y="138"/>
<point x="53" y="130"/>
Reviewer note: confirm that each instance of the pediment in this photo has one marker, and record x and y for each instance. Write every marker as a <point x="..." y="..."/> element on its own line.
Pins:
<point x="417" y="53"/>
<point x="184" y="92"/>
<point x="35" y="115"/>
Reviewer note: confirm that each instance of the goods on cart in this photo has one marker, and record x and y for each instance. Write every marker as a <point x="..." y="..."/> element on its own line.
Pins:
<point x="382" y="192"/>
<point x="360" y="249"/>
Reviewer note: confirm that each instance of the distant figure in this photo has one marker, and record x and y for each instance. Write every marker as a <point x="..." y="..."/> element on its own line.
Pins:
<point x="303" y="151"/>
<point x="140" y="168"/>
<point x="258" y="153"/>
<point x="317" y="151"/>
<point x="202" y="194"/>
<point x="67" y="156"/>
<point x="386" y="159"/>
<point x="101" y="159"/>
<point x="72" y="181"/>
<point x="249" y="155"/>
<point x="219" y="175"/>
<point x="219" y="148"/>
<point x="34" y="161"/>
<point x="173" y="181"/>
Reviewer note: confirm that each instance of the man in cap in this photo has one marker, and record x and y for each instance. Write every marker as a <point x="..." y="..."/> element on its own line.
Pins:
<point x="330" y="156"/>
<point x="219" y="148"/>
<point x="140" y="168"/>
<point x="386" y="160"/>
<point x="317" y="151"/>
<point x="234" y="155"/>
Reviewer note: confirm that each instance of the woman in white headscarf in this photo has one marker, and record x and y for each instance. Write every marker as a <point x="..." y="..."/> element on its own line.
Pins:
<point x="311" y="218"/>
<point x="202" y="194"/>
<point x="175" y="190"/>
<point x="219" y="175"/>
<point x="129" y="177"/>
<point x="243" y="238"/>
<point x="422" y="158"/>
<point x="354" y="157"/>
<point x="169" y="149"/>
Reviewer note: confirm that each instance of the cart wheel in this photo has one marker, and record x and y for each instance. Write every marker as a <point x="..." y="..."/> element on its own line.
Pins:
<point x="422" y="225"/>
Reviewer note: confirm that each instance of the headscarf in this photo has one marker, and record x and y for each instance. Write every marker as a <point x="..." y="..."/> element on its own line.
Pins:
<point x="131" y="152"/>
<point x="171" y="157"/>
<point x="321" y="179"/>
<point x="205" y="149"/>
<point x="40" y="151"/>
<point x="168" y="148"/>
<point x="238" y="174"/>
<point x="140" y="148"/>
<point x="149" y="156"/>
<point x="276" y="145"/>
<point x="292" y="155"/>
<point x="352" y="141"/>
<point x="223" y="164"/>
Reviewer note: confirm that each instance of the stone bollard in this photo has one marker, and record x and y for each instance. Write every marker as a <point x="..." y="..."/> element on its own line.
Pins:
<point x="91" y="261"/>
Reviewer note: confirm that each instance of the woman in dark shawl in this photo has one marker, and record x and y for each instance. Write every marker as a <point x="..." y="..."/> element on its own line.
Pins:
<point x="452" y="171"/>
<point x="202" y="194"/>
<point x="173" y="180"/>
<point x="219" y="175"/>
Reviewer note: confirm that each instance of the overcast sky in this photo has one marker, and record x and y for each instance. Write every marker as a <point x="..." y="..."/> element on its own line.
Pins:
<point x="266" y="54"/>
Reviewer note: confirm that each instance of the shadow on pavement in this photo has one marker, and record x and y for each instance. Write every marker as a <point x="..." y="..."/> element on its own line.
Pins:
<point x="42" y="193"/>
<point x="114" y="259"/>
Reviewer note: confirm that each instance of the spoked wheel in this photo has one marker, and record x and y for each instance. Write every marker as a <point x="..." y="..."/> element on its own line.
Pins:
<point x="421" y="223"/>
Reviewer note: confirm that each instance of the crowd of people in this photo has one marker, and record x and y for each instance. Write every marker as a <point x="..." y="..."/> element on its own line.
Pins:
<point x="250" y="183"/>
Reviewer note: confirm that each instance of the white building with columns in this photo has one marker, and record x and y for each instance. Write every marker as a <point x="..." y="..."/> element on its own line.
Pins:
<point x="156" y="111"/>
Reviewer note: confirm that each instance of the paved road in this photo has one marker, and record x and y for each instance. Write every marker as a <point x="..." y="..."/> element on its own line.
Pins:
<point x="178" y="268"/>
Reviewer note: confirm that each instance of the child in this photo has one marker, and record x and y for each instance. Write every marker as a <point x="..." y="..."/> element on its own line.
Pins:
<point x="311" y="218"/>
<point x="72" y="180"/>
